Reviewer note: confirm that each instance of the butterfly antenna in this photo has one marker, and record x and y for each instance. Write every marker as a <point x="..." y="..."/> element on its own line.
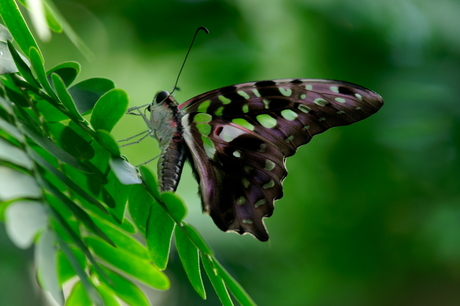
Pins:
<point x="185" y="59"/>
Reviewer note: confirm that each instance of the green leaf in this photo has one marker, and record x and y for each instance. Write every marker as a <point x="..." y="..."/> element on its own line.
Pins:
<point x="5" y="35"/>
<point x="101" y="159"/>
<point x="53" y="21"/>
<point x="109" y="143"/>
<point x="175" y="206"/>
<point x="216" y="281"/>
<point x="22" y="66"/>
<point x="238" y="292"/>
<point x="125" y="172"/>
<point x="14" y="155"/>
<point x="6" y="106"/>
<point x="23" y="221"/>
<point x="86" y="93"/>
<point x="123" y="241"/>
<point x="50" y="111"/>
<point x="150" y="182"/>
<point x="15" y="23"/>
<point x="52" y="148"/>
<point x="67" y="181"/>
<point x="65" y="268"/>
<point x="160" y="228"/>
<point x="75" y="145"/>
<point x="108" y="296"/>
<point x="197" y="239"/>
<point x="64" y="96"/>
<point x="7" y="64"/>
<point x="45" y="260"/>
<point x="79" y="213"/>
<point x="68" y="71"/>
<point x="67" y="29"/>
<point x="37" y="61"/>
<point x="139" y="203"/>
<point x="139" y="268"/>
<point x="65" y="225"/>
<point x="188" y="254"/>
<point x="84" y="279"/>
<point x="15" y="184"/>
<point x="124" y="289"/>
<point x="78" y="296"/>
<point x="9" y="130"/>
<point x="109" y="109"/>
<point x="119" y="193"/>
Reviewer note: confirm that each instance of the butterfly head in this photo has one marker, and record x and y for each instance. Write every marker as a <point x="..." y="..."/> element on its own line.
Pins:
<point x="160" y="97"/>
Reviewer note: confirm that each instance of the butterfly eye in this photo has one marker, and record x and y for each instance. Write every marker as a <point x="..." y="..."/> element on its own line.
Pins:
<point x="160" y="97"/>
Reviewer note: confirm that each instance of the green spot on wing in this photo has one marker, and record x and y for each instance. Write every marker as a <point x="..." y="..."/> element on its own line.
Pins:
<point x="203" y="108"/>
<point x="237" y="154"/>
<point x="288" y="114"/>
<point x="266" y="121"/>
<point x="204" y="128"/>
<point x="334" y="89"/>
<point x="247" y="169"/>
<point x="303" y="108"/>
<point x="243" y="94"/>
<point x="209" y="147"/>
<point x="244" y="123"/>
<point x="219" y="111"/>
<point x="245" y="182"/>
<point x="268" y="185"/>
<point x="202" y="117"/>
<point x="320" y="101"/>
<point x="260" y="202"/>
<point x="224" y="100"/>
<point x="269" y="165"/>
<point x="340" y="100"/>
<point x="285" y="91"/>
<point x="266" y="103"/>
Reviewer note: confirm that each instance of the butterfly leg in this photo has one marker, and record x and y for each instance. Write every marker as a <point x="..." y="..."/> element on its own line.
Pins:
<point x="131" y="110"/>
<point x="137" y="141"/>
<point x="136" y="112"/>
<point x="148" y="161"/>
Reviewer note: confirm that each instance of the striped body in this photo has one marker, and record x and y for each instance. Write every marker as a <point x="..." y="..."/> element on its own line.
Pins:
<point x="166" y="128"/>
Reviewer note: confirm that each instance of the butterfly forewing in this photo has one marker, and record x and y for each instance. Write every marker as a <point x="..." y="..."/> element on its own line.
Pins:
<point x="238" y="137"/>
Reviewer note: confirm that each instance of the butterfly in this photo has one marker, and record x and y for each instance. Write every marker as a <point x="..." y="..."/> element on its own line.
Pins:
<point x="238" y="137"/>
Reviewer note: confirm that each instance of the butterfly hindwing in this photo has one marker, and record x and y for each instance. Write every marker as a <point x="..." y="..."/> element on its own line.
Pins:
<point x="240" y="173"/>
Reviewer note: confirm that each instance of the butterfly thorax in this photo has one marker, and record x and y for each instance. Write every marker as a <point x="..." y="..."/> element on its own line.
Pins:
<point x="166" y="128"/>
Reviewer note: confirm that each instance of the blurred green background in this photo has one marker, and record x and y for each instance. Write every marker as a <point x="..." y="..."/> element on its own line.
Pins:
<point x="371" y="212"/>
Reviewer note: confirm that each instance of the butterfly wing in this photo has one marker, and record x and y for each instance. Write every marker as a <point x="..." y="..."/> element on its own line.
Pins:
<point x="239" y="136"/>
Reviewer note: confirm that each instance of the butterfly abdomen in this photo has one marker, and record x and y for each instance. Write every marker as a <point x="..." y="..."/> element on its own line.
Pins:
<point x="167" y="129"/>
<point x="170" y="166"/>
